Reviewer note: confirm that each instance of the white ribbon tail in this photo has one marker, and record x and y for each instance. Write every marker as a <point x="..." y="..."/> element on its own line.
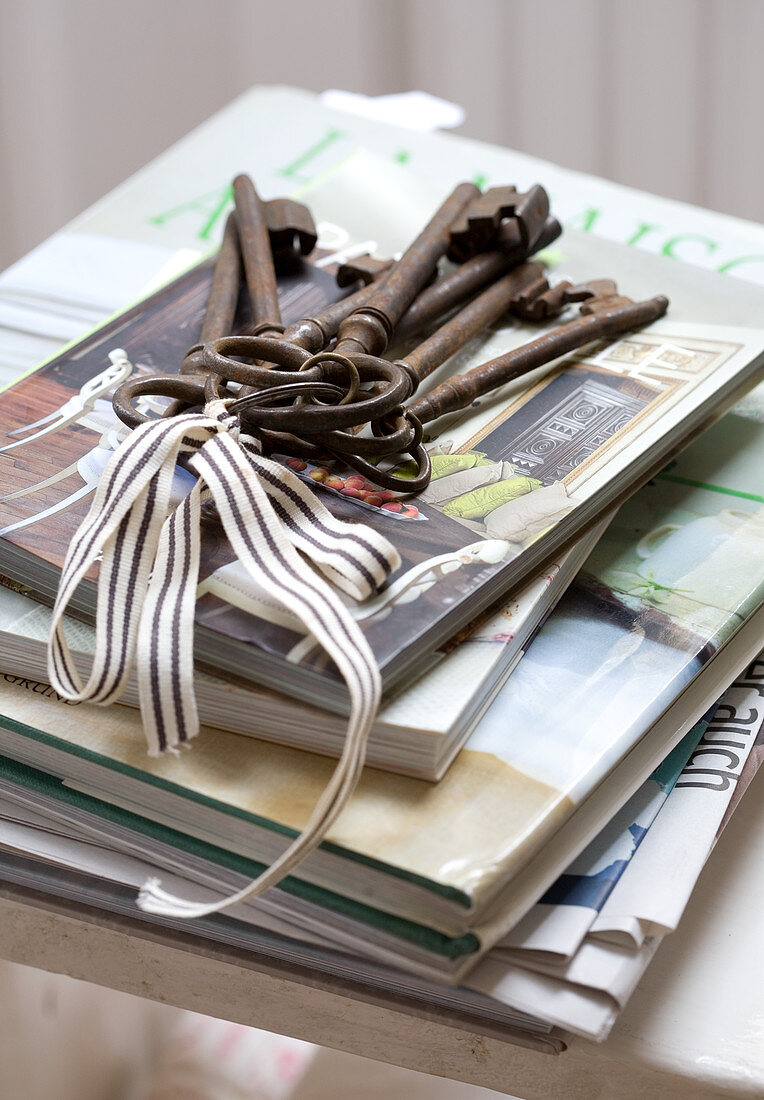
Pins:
<point x="147" y="592"/>
<point x="262" y="544"/>
<point x="123" y="524"/>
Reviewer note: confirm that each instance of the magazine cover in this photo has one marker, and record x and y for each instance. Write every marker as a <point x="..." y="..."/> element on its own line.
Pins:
<point x="516" y="476"/>
<point x="419" y="728"/>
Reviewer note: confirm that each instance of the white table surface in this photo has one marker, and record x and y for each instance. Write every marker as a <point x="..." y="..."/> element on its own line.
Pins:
<point x="694" y="1028"/>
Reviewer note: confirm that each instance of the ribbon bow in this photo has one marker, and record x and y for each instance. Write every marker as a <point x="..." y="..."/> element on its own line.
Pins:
<point x="147" y="593"/>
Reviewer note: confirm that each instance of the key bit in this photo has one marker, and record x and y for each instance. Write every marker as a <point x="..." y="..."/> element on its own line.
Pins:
<point x="549" y="302"/>
<point x="470" y="277"/>
<point x="500" y="212"/>
<point x="366" y="269"/>
<point x="292" y="231"/>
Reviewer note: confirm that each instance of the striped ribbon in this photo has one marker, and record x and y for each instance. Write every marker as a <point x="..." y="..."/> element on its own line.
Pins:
<point x="147" y="593"/>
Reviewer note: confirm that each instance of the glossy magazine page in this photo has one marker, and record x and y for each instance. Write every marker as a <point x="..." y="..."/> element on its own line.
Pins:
<point x="418" y="729"/>
<point x="516" y="476"/>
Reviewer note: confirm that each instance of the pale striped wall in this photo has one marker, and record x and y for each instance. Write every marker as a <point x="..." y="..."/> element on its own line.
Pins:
<point x="667" y="95"/>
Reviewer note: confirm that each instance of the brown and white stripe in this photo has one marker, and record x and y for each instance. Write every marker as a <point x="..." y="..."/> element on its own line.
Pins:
<point x="147" y="593"/>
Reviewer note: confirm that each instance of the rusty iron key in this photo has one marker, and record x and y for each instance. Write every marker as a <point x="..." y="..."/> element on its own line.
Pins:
<point x="604" y="315"/>
<point x="291" y="230"/>
<point x="259" y="270"/>
<point x="361" y="338"/>
<point x="298" y="389"/>
<point x="482" y="220"/>
<point x="368" y="330"/>
<point x="224" y="296"/>
<point x="396" y="430"/>
<point x="315" y="333"/>
<point x="402" y="428"/>
<point x="374" y="314"/>
<point x="470" y="277"/>
<point x="603" y="320"/>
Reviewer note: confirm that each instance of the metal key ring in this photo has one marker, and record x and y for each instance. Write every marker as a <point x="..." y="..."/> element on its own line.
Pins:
<point x="406" y="433"/>
<point x="398" y="432"/>
<point x="301" y="419"/>
<point x="384" y="429"/>
<point x="354" y="377"/>
<point x="262" y="398"/>
<point x="290" y="357"/>
<point x="214" y="388"/>
<point x="408" y="486"/>
<point x="188" y="389"/>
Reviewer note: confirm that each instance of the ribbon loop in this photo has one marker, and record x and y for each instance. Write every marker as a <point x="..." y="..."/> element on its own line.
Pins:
<point x="147" y="592"/>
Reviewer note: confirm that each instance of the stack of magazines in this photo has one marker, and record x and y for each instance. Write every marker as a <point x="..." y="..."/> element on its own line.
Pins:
<point x="562" y="738"/>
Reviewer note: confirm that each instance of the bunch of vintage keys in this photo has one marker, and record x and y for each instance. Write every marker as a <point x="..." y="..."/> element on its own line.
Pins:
<point x="322" y="386"/>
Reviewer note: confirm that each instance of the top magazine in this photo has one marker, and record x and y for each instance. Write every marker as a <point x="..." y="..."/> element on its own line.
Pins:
<point x="519" y="475"/>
